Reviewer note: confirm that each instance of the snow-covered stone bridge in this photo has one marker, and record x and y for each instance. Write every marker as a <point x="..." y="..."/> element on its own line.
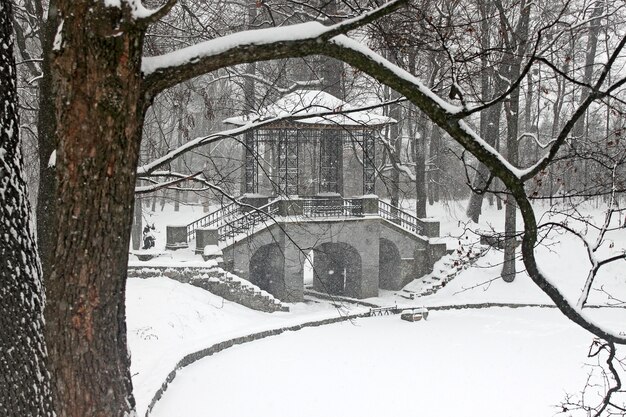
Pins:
<point x="348" y="246"/>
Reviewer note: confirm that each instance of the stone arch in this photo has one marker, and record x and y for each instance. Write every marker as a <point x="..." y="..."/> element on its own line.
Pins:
<point x="389" y="260"/>
<point x="267" y="269"/>
<point x="337" y="269"/>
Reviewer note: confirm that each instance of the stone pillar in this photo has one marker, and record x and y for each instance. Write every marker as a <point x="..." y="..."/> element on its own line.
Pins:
<point x="437" y="251"/>
<point x="254" y="200"/>
<point x="431" y="227"/>
<point x="407" y="272"/>
<point x="176" y="237"/>
<point x="290" y="207"/>
<point x="204" y="237"/>
<point x="293" y="290"/>
<point x="369" y="249"/>
<point x="370" y="205"/>
<point x="422" y="265"/>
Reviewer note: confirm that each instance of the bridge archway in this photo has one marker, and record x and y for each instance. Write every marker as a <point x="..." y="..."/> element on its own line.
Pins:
<point x="389" y="260"/>
<point x="267" y="269"/>
<point x="337" y="269"/>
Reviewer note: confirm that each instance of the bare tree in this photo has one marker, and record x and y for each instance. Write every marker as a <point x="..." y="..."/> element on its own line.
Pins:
<point x="24" y="381"/>
<point x="103" y="88"/>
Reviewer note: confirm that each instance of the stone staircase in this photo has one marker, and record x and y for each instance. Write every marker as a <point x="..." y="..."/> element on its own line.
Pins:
<point x="217" y="281"/>
<point x="445" y="271"/>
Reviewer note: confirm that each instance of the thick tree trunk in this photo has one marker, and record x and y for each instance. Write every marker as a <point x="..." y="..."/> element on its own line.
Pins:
<point x="394" y="150"/>
<point x="137" y="227"/>
<point x="487" y="117"/>
<point x="96" y="70"/>
<point x="24" y="379"/>
<point x="490" y="125"/>
<point x="434" y="172"/>
<point x="420" y="162"/>
<point x="512" y="123"/>
<point x="47" y="144"/>
<point x="510" y="212"/>
<point x="581" y="128"/>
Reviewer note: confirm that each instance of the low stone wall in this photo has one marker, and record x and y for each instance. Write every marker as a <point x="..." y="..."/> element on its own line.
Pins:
<point x="218" y="347"/>
<point x="218" y="282"/>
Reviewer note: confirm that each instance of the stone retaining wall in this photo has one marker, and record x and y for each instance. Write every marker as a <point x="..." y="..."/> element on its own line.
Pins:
<point x="218" y="282"/>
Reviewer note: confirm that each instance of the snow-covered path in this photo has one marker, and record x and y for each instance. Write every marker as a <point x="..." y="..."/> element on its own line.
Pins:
<point x="492" y="362"/>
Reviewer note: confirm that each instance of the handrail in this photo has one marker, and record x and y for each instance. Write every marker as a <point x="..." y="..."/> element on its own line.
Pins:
<point x="212" y="218"/>
<point x="332" y="207"/>
<point x="403" y="219"/>
<point x="231" y="220"/>
<point x="247" y="220"/>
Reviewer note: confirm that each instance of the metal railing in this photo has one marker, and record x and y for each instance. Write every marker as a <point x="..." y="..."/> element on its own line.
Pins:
<point x="215" y="218"/>
<point x="332" y="207"/>
<point x="400" y="217"/>
<point x="231" y="220"/>
<point x="246" y="221"/>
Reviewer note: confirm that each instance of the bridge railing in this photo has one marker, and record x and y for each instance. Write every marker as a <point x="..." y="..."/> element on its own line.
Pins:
<point x="332" y="207"/>
<point x="401" y="218"/>
<point x="231" y="220"/>
<point x="214" y="218"/>
<point x="248" y="220"/>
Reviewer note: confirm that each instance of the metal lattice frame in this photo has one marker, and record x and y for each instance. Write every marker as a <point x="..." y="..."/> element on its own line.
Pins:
<point x="251" y="171"/>
<point x="266" y="165"/>
<point x="288" y="143"/>
<point x="330" y="151"/>
<point x="284" y="151"/>
<point x="369" y="162"/>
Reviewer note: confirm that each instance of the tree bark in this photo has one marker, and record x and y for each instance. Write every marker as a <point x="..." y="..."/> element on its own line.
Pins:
<point x="487" y="117"/>
<point x="395" y="112"/>
<point x="434" y="171"/>
<point x="491" y="128"/>
<point x="24" y="379"/>
<point x="99" y="112"/>
<point x="419" y="156"/>
<point x="137" y="227"/>
<point x="512" y="108"/>
<point x="47" y="144"/>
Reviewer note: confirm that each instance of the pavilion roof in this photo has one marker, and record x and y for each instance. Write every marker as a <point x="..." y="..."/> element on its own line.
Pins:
<point x="304" y="102"/>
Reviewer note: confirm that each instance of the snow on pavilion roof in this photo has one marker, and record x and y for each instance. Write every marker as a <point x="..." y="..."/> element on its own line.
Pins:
<point x="304" y="102"/>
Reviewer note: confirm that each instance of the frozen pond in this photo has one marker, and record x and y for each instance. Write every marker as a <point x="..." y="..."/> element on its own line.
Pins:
<point x="491" y="362"/>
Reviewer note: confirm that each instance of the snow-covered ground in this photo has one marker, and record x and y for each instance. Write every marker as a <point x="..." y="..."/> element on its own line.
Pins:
<point x="498" y="361"/>
<point x="488" y="363"/>
<point x="168" y="320"/>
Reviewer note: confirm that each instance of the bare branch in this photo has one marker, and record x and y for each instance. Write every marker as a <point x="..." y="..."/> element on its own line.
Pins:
<point x="157" y="14"/>
<point x="304" y="39"/>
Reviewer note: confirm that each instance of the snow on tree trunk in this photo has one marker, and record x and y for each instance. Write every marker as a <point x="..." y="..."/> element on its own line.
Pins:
<point x="24" y="379"/>
<point x="46" y="148"/>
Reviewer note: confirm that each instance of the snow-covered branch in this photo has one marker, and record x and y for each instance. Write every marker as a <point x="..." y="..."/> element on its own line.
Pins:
<point x="253" y="124"/>
<point x="303" y="39"/>
<point x="146" y="17"/>
<point x="295" y="85"/>
<point x="156" y="185"/>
